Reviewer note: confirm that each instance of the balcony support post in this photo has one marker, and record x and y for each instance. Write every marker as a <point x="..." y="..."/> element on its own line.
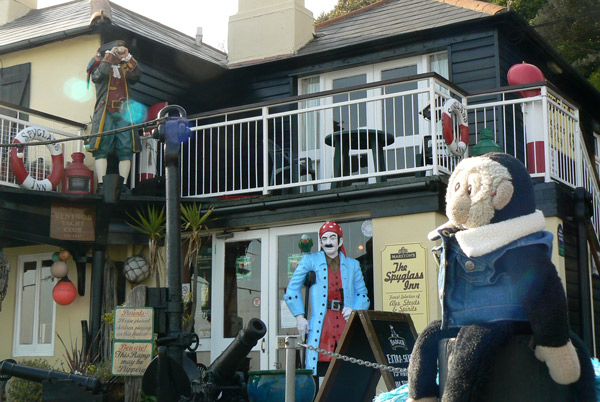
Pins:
<point x="433" y="124"/>
<point x="265" y="141"/>
<point x="546" y="128"/>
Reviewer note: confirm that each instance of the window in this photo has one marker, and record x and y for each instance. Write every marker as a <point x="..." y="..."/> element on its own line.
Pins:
<point x="398" y="115"/>
<point x="35" y="309"/>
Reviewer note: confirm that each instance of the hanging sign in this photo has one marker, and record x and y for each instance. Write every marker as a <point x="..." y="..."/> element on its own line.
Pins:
<point x="561" y="240"/>
<point x="68" y="222"/>
<point x="293" y="261"/>
<point x="132" y="346"/>
<point x="243" y="266"/>
<point x="404" y="281"/>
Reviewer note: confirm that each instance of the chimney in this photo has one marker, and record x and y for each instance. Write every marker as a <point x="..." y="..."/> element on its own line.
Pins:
<point x="268" y="28"/>
<point x="10" y="10"/>
<point x="199" y="36"/>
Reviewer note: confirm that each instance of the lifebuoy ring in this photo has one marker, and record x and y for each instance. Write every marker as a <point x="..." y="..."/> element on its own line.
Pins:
<point x="18" y="167"/>
<point x="454" y="107"/>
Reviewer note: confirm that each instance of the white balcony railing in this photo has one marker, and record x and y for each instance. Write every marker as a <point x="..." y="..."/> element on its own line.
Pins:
<point x="364" y="134"/>
<point x="331" y="139"/>
<point x="37" y="159"/>
<point x="377" y="132"/>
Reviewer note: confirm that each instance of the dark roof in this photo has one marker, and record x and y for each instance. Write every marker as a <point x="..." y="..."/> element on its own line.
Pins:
<point x="69" y="19"/>
<point x="388" y="18"/>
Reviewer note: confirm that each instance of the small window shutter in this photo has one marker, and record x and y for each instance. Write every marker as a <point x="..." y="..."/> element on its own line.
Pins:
<point x="14" y="86"/>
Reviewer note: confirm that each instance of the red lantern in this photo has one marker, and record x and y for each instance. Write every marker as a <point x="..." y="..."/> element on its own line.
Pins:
<point x="64" y="292"/>
<point x="78" y="179"/>
<point x="525" y="73"/>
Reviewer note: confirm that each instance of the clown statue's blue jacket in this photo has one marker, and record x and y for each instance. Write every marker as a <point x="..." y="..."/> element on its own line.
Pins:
<point x="354" y="290"/>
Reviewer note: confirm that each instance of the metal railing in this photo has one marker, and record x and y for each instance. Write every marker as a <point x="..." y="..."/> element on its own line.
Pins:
<point x="363" y="134"/>
<point x="37" y="159"/>
<point x="330" y="139"/>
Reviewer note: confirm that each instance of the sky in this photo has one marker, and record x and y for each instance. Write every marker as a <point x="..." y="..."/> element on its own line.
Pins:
<point x="187" y="15"/>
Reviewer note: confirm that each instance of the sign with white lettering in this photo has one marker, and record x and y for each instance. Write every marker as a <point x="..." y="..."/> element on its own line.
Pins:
<point x="404" y="283"/>
<point x="133" y="336"/>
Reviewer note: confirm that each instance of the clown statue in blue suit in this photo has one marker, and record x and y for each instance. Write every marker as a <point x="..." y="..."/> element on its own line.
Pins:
<point x="339" y="289"/>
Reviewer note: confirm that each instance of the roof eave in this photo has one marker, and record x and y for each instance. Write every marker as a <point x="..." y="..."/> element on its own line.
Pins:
<point x="42" y="40"/>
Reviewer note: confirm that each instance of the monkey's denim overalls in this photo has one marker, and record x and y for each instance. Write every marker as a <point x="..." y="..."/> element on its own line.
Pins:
<point x="474" y="289"/>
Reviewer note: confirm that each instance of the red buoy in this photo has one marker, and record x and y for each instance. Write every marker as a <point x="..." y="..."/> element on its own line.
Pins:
<point x="525" y="73"/>
<point x="64" y="292"/>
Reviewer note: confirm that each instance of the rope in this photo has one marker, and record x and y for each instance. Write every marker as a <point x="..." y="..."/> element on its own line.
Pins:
<point x="360" y="362"/>
<point x="154" y="122"/>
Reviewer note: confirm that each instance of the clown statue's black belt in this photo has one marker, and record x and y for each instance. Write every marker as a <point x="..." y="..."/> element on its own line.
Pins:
<point x="335" y="305"/>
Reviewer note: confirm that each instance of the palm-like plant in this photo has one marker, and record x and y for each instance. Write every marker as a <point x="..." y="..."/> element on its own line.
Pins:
<point x="194" y="222"/>
<point x="152" y="223"/>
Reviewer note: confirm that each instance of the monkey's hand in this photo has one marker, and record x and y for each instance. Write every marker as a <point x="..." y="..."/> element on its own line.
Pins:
<point x="562" y="362"/>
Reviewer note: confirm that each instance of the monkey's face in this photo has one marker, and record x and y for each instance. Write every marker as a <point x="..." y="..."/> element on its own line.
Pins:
<point x="477" y="188"/>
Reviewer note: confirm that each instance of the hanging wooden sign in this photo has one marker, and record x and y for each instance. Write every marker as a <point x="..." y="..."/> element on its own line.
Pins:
<point x="70" y="222"/>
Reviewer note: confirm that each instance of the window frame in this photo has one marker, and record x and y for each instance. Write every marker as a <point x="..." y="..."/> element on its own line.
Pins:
<point x="321" y="155"/>
<point x="35" y="349"/>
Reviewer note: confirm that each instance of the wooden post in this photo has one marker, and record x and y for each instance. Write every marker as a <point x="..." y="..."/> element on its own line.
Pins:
<point x="133" y="385"/>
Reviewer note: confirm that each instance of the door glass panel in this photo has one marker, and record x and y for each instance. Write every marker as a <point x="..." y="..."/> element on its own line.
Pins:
<point x="288" y="257"/>
<point x="353" y="116"/>
<point x="28" y="303"/>
<point x="45" y="329"/>
<point x="309" y="136"/>
<point x="400" y="114"/>
<point x="203" y="310"/>
<point x="242" y="285"/>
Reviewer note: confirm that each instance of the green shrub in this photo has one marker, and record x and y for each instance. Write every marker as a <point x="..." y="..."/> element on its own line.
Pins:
<point x="116" y="385"/>
<point x="20" y="390"/>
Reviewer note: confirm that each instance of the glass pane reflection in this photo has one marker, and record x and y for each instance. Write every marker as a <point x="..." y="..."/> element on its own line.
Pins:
<point x="242" y="285"/>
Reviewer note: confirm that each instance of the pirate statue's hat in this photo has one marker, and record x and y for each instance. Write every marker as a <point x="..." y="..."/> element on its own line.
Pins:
<point x="95" y="61"/>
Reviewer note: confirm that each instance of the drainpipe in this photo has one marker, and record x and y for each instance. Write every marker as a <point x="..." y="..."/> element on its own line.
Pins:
<point x="582" y="213"/>
<point x="96" y="298"/>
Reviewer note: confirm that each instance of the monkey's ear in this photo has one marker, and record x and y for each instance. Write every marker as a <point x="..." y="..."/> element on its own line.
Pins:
<point x="503" y="195"/>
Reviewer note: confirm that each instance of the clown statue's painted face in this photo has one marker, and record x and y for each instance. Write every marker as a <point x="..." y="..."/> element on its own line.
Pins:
<point x="330" y="243"/>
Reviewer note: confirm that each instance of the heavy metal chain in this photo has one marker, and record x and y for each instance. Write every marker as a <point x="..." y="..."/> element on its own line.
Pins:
<point x="397" y="370"/>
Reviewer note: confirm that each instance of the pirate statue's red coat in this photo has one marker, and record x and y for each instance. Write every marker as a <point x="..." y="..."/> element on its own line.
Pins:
<point x="113" y="70"/>
<point x="339" y="289"/>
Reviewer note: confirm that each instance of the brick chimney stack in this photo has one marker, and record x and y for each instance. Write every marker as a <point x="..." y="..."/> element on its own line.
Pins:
<point x="10" y="10"/>
<point x="264" y="29"/>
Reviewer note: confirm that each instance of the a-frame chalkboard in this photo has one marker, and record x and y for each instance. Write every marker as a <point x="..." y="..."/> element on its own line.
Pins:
<point x="376" y="336"/>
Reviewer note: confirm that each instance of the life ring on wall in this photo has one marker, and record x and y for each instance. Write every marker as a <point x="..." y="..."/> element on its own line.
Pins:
<point x="453" y="107"/>
<point x="16" y="162"/>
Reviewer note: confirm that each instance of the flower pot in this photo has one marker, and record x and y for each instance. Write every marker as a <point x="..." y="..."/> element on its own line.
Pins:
<point x="269" y="385"/>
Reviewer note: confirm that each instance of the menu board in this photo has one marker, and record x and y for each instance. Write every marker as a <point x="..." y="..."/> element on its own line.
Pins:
<point x="375" y="336"/>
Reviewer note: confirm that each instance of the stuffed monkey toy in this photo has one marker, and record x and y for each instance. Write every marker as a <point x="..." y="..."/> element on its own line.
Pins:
<point x="496" y="279"/>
